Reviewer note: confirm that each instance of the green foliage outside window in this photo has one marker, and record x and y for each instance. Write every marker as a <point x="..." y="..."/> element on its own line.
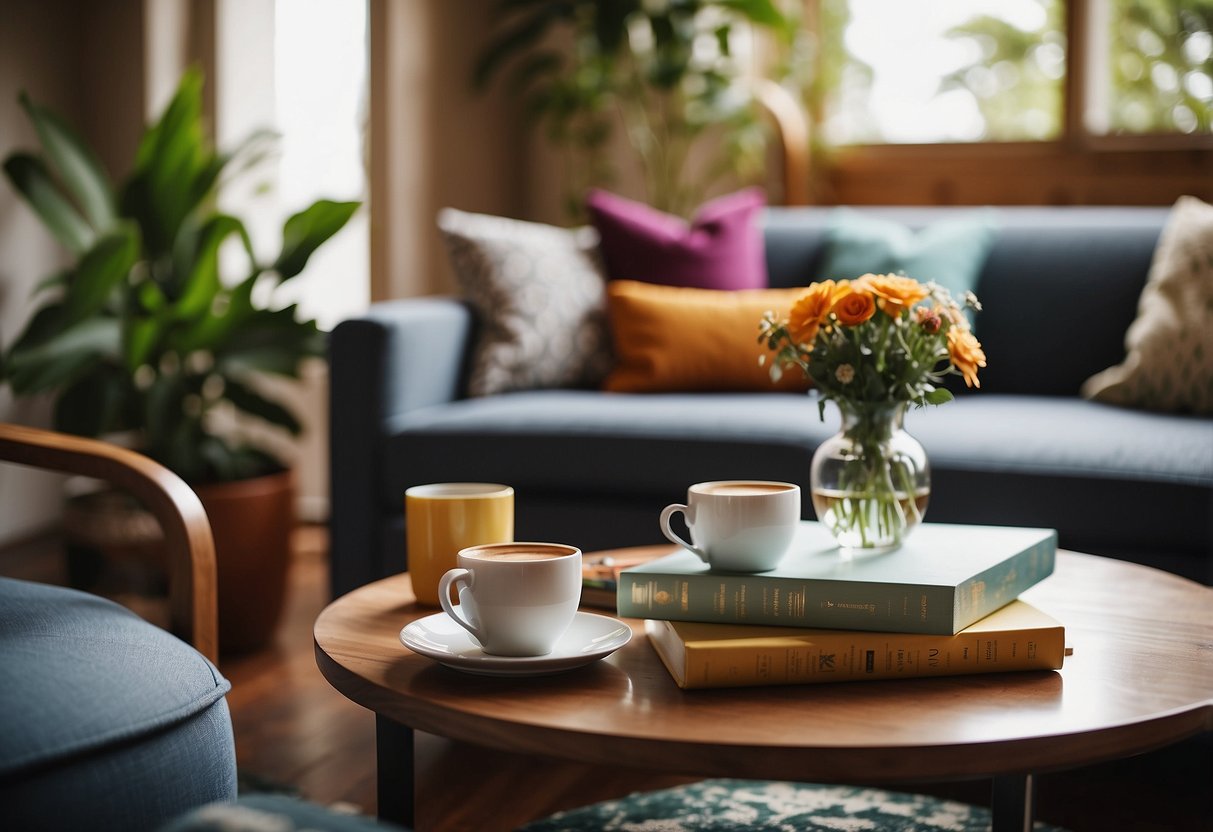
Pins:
<point x="1161" y="65"/>
<point x="1158" y="53"/>
<point x="1152" y="60"/>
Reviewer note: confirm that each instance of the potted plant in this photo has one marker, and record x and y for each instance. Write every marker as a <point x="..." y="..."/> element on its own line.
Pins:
<point x="666" y="72"/>
<point x="149" y="334"/>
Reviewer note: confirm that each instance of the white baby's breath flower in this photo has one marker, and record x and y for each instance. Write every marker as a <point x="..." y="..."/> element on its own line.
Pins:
<point x="845" y="373"/>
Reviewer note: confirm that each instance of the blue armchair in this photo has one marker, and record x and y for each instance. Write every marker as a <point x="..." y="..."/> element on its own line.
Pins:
<point x="109" y="722"/>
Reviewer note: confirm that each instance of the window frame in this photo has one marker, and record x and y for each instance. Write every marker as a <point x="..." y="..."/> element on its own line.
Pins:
<point x="1076" y="167"/>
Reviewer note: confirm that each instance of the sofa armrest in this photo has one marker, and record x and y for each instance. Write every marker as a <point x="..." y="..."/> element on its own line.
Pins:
<point x="399" y="356"/>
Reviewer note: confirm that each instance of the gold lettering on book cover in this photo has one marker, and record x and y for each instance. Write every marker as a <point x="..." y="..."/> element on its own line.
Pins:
<point x="796" y="602"/>
<point x="869" y="608"/>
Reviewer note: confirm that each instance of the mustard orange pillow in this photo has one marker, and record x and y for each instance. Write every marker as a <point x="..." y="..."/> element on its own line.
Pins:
<point x="678" y="339"/>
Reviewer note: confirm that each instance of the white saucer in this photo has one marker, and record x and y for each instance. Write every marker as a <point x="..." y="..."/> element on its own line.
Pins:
<point x="589" y="638"/>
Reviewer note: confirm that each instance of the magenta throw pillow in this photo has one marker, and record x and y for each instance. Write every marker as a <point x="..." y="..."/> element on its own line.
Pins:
<point x="721" y="248"/>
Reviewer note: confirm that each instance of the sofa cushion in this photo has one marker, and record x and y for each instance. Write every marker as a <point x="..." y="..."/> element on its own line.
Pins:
<point x="538" y="295"/>
<point x="1169" y="365"/>
<point x="102" y="706"/>
<point x="721" y="248"/>
<point x="672" y="338"/>
<point x="949" y="252"/>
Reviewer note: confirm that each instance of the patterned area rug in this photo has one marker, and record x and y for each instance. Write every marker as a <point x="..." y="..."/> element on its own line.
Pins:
<point x="762" y="806"/>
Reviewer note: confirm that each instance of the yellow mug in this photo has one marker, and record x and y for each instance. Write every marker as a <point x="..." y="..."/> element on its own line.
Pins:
<point x="442" y="518"/>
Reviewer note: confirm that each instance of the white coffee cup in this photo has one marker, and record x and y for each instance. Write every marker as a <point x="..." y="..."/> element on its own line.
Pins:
<point x="516" y="599"/>
<point x="738" y="525"/>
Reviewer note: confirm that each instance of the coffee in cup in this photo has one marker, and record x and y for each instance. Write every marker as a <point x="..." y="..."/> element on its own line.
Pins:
<point x="442" y="518"/>
<point x="738" y="525"/>
<point x="516" y="599"/>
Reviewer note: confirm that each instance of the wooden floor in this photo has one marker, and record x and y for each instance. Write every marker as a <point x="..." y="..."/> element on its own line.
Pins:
<point x="294" y="732"/>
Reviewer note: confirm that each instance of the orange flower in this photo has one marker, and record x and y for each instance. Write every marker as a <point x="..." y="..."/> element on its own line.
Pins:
<point x="894" y="294"/>
<point x="811" y="309"/>
<point x="854" y="307"/>
<point x="966" y="354"/>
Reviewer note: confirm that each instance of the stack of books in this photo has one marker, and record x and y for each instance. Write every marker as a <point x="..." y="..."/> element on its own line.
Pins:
<point x="944" y="603"/>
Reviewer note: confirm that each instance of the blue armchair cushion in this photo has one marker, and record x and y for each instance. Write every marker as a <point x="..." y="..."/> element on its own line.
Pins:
<point x="103" y="706"/>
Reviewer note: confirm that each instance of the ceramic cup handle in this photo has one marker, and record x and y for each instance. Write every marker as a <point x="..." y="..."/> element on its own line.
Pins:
<point x="463" y="580"/>
<point x="668" y="512"/>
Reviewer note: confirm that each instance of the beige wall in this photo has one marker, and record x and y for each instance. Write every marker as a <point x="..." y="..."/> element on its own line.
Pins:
<point x="66" y="55"/>
<point x="435" y="141"/>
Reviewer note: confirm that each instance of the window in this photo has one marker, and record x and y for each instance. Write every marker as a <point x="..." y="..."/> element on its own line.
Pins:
<point x="1012" y="101"/>
<point x="1151" y="67"/>
<point x="926" y="71"/>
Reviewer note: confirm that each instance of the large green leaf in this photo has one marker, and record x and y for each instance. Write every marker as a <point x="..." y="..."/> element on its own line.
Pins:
<point x="252" y="402"/>
<point x="33" y="181"/>
<point x="527" y="31"/>
<point x="45" y="324"/>
<point x="140" y="338"/>
<point x="172" y="160"/>
<point x="165" y="418"/>
<point x="64" y="357"/>
<point x="78" y="168"/>
<point x="306" y="231"/>
<point x="211" y="332"/>
<point x="202" y="283"/>
<point x="269" y="342"/>
<point x="611" y="23"/>
<point x="52" y="281"/>
<point x="103" y="269"/>
<point x="96" y="403"/>
<point x="763" y="12"/>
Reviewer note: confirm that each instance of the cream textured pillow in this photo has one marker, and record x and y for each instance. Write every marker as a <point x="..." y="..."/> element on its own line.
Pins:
<point x="1169" y="361"/>
<point x="539" y="293"/>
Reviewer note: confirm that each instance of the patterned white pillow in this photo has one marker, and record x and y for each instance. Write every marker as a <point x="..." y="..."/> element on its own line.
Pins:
<point x="539" y="292"/>
<point x="1169" y="361"/>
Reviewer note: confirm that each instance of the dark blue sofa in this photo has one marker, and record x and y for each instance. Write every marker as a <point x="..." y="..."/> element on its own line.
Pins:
<point x="1060" y="287"/>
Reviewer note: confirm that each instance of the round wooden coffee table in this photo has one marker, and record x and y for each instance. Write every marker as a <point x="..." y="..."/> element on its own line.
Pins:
<point x="1141" y="677"/>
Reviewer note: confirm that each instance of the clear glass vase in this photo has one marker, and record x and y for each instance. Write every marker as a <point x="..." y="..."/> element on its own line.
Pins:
<point x="870" y="482"/>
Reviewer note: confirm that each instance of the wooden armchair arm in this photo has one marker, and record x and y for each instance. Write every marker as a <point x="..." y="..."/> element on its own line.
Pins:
<point x="187" y="532"/>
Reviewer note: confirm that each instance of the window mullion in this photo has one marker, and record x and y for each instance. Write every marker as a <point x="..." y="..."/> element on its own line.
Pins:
<point x="1081" y="71"/>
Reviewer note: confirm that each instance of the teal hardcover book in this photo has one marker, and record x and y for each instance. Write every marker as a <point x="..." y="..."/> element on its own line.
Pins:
<point x="941" y="580"/>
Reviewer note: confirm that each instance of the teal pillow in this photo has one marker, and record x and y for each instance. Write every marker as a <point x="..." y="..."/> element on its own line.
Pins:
<point x="950" y="252"/>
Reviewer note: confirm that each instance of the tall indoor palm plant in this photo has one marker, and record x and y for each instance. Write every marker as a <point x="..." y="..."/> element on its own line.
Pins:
<point x="143" y="332"/>
<point x="665" y="71"/>
<point x="152" y="334"/>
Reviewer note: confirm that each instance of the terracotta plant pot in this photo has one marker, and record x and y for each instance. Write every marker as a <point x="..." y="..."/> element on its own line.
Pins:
<point x="252" y="521"/>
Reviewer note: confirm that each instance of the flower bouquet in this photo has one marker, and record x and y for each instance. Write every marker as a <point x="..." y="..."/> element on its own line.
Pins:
<point x="872" y="346"/>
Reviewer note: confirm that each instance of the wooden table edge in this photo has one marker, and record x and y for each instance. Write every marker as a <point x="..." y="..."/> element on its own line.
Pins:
<point x="827" y="764"/>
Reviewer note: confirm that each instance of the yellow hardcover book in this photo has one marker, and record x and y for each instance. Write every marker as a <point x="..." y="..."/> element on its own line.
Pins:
<point x="1015" y="637"/>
